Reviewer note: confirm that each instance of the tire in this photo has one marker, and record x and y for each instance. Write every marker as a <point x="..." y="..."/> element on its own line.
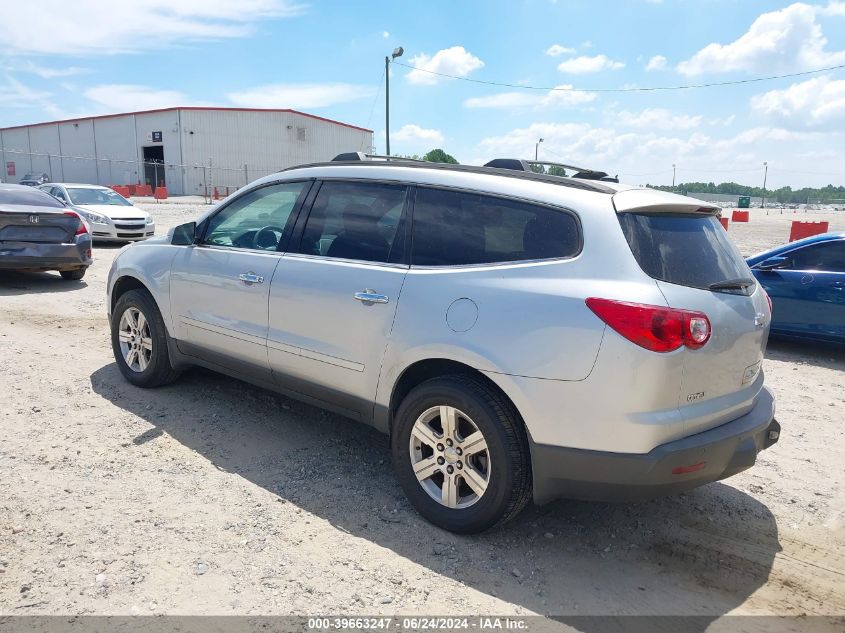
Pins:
<point x="73" y="275"/>
<point x="150" y="366"/>
<point x="505" y="462"/>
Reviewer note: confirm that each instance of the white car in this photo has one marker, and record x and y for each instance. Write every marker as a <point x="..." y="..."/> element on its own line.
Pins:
<point x="112" y="217"/>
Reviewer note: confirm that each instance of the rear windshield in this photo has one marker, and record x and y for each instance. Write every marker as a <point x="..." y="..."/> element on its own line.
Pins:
<point x="681" y="249"/>
<point x="28" y="196"/>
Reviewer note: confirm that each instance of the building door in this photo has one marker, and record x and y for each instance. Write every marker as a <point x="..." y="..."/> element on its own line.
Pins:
<point x="154" y="166"/>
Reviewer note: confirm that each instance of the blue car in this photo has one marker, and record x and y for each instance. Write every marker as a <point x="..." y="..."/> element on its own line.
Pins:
<point x="806" y="283"/>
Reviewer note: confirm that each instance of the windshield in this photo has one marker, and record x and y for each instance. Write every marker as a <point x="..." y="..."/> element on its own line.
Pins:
<point x="681" y="249"/>
<point x="81" y="196"/>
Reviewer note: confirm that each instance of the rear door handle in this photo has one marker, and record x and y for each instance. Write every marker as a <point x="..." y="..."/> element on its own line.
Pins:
<point x="251" y="278"/>
<point x="368" y="295"/>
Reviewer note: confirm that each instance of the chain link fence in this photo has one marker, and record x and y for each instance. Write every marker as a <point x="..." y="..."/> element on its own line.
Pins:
<point x="208" y="180"/>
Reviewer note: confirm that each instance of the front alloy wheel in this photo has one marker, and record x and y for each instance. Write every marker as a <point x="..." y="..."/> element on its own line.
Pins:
<point x="139" y="340"/>
<point x="136" y="341"/>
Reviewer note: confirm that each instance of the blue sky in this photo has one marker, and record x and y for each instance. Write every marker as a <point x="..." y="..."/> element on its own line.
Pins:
<point x="69" y="59"/>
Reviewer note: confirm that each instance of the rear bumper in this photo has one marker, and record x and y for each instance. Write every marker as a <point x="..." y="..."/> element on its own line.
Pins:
<point x="713" y="455"/>
<point x="33" y="256"/>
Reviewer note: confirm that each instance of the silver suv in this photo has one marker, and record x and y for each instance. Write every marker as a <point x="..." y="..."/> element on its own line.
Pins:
<point x="517" y="334"/>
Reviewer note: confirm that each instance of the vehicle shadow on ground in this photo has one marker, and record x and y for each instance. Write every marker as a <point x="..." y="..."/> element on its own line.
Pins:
<point x="13" y="283"/>
<point x="828" y="355"/>
<point x="702" y="553"/>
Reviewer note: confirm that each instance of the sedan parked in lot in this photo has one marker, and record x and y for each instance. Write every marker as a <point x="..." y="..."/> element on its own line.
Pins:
<point x="112" y="217"/>
<point x="33" y="180"/>
<point x="38" y="232"/>
<point x="806" y="282"/>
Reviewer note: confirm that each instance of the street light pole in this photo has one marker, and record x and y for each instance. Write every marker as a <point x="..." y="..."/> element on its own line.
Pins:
<point x="673" y="175"/>
<point x="537" y="148"/>
<point x="765" y="174"/>
<point x="397" y="52"/>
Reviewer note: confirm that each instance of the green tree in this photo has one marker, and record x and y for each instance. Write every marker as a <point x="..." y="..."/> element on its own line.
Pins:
<point x="439" y="156"/>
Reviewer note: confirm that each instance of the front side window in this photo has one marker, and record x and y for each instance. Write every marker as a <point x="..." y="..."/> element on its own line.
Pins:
<point x="355" y="220"/>
<point x="454" y="228"/>
<point x="827" y="256"/>
<point x="256" y="220"/>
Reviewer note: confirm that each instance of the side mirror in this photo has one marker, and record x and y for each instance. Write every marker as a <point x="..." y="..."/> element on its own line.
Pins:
<point x="184" y="234"/>
<point x="772" y="263"/>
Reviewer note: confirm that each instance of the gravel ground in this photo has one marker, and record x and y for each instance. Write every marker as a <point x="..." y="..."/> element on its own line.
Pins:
<point x="214" y="497"/>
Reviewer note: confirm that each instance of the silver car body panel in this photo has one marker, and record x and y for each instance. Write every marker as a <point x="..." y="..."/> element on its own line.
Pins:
<point x="525" y="325"/>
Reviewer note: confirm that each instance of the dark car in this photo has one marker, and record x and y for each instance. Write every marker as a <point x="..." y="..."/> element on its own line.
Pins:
<point x="806" y="283"/>
<point x="33" y="180"/>
<point x="38" y="232"/>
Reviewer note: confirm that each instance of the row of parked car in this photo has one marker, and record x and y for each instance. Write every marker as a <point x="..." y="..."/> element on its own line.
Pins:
<point x="51" y="226"/>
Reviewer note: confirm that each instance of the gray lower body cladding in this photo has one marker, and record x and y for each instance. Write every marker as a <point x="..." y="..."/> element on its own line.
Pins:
<point x="705" y="457"/>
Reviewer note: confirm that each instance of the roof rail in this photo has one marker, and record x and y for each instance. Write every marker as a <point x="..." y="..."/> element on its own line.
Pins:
<point x="362" y="160"/>
<point x="353" y="156"/>
<point x="519" y="164"/>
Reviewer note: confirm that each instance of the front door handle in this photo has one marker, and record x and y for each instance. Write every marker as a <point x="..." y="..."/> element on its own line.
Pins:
<point x="251" y="278"/>
<point x="368" y="295"/>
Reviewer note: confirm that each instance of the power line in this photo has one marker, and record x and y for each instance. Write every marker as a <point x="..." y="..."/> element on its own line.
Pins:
<point x="629" y="89"/>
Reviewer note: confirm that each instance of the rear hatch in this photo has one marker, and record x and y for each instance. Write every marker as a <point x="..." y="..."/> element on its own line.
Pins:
<point x="24" y="223"/>
<point x="680" y="243"/>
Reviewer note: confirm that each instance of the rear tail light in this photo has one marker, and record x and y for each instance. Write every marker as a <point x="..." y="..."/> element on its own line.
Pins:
<point x="655" y="328"/>
<point x="81" y="228"/>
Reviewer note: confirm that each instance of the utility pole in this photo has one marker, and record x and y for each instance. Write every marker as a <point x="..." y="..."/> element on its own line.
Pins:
<point x="765" y="174"/>
<point x="397" y="52"/>
<point x="673" y="175"/>
<point x="537" y="148"/>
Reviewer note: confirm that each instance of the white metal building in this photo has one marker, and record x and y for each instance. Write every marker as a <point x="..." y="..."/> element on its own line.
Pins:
<point x="190" y="150"/>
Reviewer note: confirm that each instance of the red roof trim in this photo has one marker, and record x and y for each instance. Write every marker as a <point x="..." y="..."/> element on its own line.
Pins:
<point x="192" y="108"/>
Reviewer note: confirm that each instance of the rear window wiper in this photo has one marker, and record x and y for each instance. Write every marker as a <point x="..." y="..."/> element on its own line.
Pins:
<point x="740" y="283"/>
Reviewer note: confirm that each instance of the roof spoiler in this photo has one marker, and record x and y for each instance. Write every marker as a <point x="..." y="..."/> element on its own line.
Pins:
<point x="519" y="164"/>
<point x="655" y="201"/>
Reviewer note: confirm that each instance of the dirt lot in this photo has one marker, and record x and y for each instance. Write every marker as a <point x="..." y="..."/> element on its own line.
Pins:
<point x="214" y="497"/>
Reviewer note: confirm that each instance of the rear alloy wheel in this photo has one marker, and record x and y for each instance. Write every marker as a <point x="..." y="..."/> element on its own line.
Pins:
<point x="461" y="454"/>
<point x="139" y="340"/>
<point x="73" y="275"/>
<point x="450" y="457"/>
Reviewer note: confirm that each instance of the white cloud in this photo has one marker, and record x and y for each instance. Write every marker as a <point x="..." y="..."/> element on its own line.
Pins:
<point x="657" y="119"/>
<point x="13" y="93"/>
<point x="646" y="155"/>
<point x="816" y="102"/>
<point x="411" y="132"/>
<point x="104" y="26"/>
<point x="658" y="62"/>
<point x="44" y="72"/>
<point x="563" y="96"/>
<point x="585" y="64"/>
<point x="556" y="50"/>
<point x="455" y="61"/>
<point x="385" y="34"/>
<point x="129" y="97"/>
<point x="785" y="40"/>
<point x="299" y="95"/>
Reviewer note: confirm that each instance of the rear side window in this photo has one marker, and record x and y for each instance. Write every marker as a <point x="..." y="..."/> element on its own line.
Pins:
<point x="682" y="249"/>
<point x="454" y="228"/>
<point x="356" y="220"/>
<point x="29" y="196"/>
